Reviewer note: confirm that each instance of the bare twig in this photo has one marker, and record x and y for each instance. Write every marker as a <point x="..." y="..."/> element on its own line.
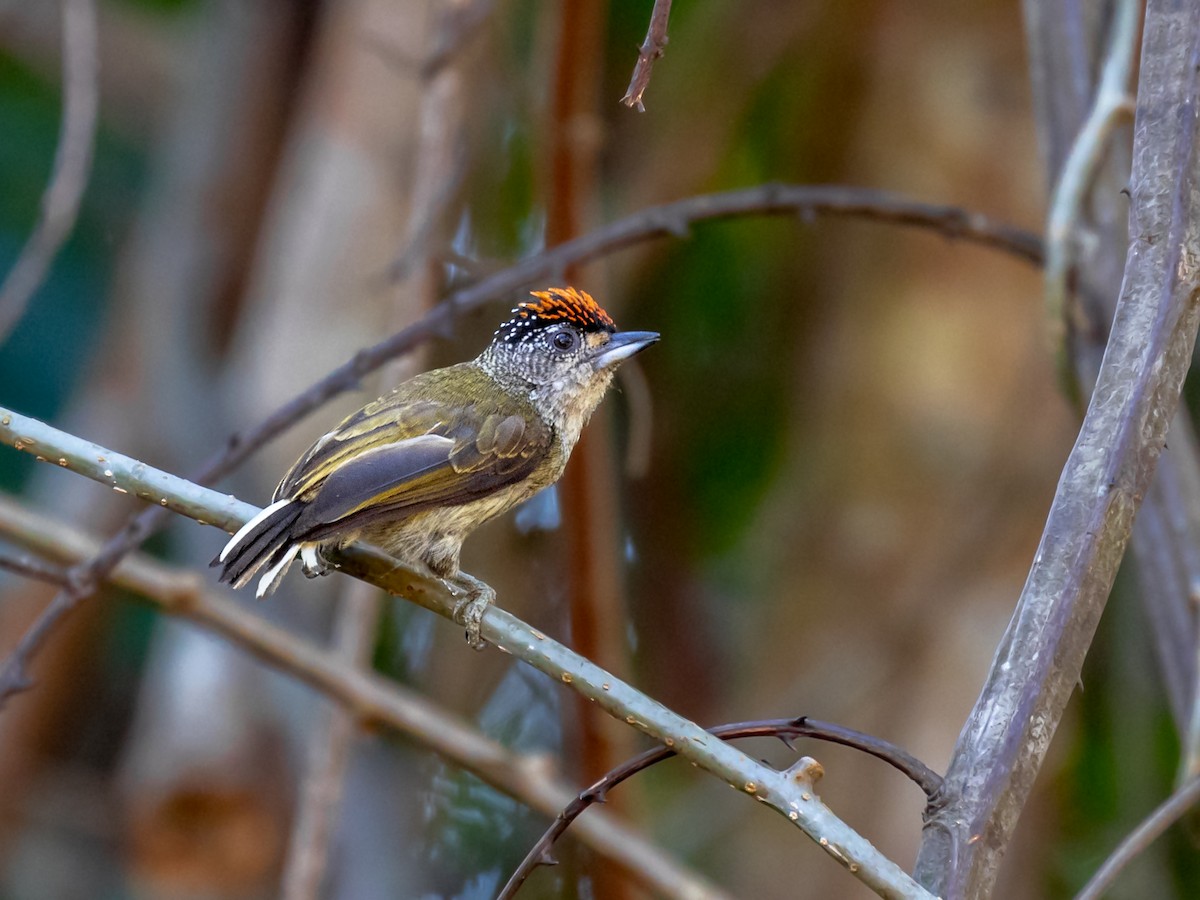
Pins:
<point x="1112" y="106"/>
<point x="1040" y="658"/>
<point x="652" y="48"/>
<point x="72" y="163"/>
<point x="784" y="729"/>
<point x="371" y="699"/>
<point x="1167" y="814"/>
<point x="779" y="790"/>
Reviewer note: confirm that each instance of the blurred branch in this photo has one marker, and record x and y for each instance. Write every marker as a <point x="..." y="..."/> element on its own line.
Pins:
<point x="780" y="790"/>
<point x="590" y="530"/>
<point x="458" y="25"/>
<point x="72" y="162"/>
<point x="1112" y="105"/>
<point x="1108" y="472"/>
<point x="1166" y="815"/>
<point x="807" y="201"/>
<point x="29" y="567"/>
<point x="784" y="729"/>
<point x="372" y="700"/>
<point x="330" y="746"/>
<point x="651" y="50"/>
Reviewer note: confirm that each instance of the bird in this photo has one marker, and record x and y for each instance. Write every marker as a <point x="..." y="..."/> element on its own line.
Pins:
<point x="417" y="470"/>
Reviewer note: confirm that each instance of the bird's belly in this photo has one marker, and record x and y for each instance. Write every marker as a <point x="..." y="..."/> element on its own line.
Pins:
<point x="434" y="537"/>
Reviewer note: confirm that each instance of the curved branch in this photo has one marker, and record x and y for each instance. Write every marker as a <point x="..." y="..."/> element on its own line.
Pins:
<point x="72" y="162"/>
<point x="784" y="729"/>
<point x="779" y="790"/>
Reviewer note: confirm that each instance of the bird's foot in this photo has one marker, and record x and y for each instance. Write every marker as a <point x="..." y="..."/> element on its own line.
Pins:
<point x="469" y="611"/>
<point x="312" y="561"/>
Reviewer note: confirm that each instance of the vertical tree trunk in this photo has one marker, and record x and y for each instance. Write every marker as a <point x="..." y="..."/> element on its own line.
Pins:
<point x="1040" y="658"/>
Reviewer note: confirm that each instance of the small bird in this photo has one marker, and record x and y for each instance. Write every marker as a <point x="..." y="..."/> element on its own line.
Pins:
<point x="417" y="470"/>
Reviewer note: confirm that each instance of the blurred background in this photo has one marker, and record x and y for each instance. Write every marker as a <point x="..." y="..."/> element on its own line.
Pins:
<point x="818" y="495"/>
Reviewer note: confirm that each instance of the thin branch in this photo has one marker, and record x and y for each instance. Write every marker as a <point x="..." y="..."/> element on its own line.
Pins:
<point x="1167" y="814"/>
<point x="1038" y="662"/>
<point x="30" y="567"/>
<point x="779" y="790"/>
<point x="784" y="729"/>
<point x="651" y="50"/>
<point x="373" y="701"/>
<point x="668" y="219"/>
<point x="1113" y="105"/>
<point x="72" y="163"/>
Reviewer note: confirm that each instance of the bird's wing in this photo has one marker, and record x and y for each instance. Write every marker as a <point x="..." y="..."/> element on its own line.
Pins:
<point x="374" y="466"/>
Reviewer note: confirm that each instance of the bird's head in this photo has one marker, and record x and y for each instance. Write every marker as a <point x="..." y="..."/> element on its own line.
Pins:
<point x="560" y="350"/>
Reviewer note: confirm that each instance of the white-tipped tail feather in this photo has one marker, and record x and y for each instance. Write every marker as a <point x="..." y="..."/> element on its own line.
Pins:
<point x="268" y="541"/>
<point x="270" y="581"/>
<point x="250" y="526"/>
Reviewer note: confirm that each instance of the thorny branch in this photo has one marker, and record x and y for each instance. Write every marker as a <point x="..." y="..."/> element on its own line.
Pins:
<point x="667" y="219"/>
<point x="784" y="729"/>
<point x="72" y="163"/>
<point x="651" y="50"/>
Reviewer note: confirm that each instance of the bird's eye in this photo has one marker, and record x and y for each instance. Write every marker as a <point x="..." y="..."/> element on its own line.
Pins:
<point x="564" y="340"/>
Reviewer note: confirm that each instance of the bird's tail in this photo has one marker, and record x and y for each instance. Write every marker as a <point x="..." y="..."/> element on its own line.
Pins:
<point x="265" y="541"/>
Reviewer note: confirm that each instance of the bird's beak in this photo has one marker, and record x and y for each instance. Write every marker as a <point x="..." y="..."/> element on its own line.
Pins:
<point x="621" y="346"/>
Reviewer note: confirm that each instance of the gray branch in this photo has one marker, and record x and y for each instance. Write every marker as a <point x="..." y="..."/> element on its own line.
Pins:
<point x="1039" y="660"/>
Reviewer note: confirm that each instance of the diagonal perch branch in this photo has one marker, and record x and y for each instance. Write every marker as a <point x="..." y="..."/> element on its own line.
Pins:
<point x="779" y="790"/>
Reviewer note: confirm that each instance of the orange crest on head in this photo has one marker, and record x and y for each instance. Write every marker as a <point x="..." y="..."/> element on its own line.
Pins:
<point x="556" y="306"/>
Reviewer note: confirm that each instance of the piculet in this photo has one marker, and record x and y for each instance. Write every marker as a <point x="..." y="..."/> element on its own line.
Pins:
<point x="419" y="469"/>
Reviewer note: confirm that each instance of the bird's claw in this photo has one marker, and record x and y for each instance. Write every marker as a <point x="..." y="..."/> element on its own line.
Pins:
<point x="312" y="561"/>
<point x="469" y="611"/>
